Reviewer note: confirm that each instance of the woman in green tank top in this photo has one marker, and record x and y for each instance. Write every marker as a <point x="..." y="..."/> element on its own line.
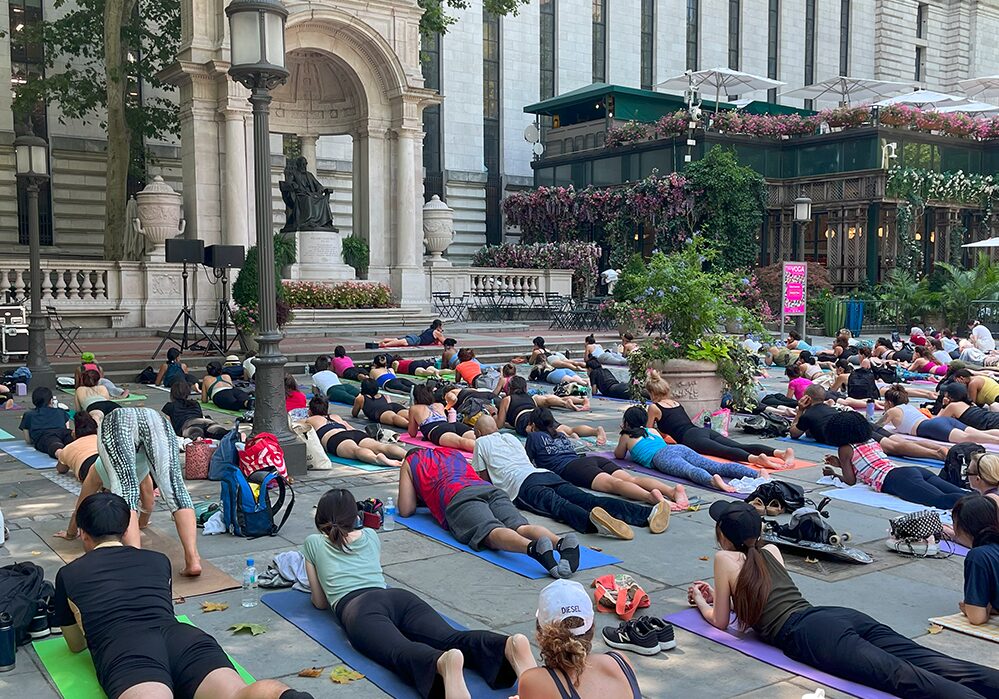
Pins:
<point x="751" y="580"/>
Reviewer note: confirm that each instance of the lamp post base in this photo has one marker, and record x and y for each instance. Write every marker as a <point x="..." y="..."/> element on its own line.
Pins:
<point x="269" y="412"/>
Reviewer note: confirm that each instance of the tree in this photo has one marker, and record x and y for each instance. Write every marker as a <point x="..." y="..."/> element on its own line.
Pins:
<point x="96" y="56"/>
<point x="436" y="20"/>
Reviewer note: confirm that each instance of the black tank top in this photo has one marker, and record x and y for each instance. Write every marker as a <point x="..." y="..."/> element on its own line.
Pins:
<point x="519" y="402"/>
<point x="674" y="421"/>
<point x="374" y="407"/>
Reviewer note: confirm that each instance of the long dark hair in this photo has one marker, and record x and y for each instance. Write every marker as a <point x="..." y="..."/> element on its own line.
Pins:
<point x="319" y="405"/>
<point x="213" y="368"/>
<point x="290" y="385"/>
<point x="977" y="516"/>
<point x="634" y="421"/>
<point x="180" y="392"/>
<point x="336" y="516"/>
<point x="752" y="587"/>
<point x="369" y="388"/>
<point x="423" y="395"/>
<point x="518" y="384"/>
<point x="544" y="421"/>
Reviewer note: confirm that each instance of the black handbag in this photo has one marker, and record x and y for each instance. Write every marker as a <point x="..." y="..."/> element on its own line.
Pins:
<point x="789" y="496"/>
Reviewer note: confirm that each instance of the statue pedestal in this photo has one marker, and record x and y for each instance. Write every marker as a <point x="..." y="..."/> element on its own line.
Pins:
<point x="320" y="255"/>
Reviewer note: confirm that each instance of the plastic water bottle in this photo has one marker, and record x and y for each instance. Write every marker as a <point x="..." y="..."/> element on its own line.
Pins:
<point x="250" y="585"/>
<point x="388" y="524"/>
<point x="870" y="410"/>
<point x="8" y="646"/>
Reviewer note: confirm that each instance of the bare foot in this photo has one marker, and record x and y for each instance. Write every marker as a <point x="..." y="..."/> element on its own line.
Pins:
<point x="192" y="569"/>
<point x="657" y="496"/>
<point x="758" y="460"/>
<point x="680" y="497"/>
<point x="719" y="483"/>
<point x="451" y="667"/>
<point x="518" y="652"/>
<point x="787" y="456"/>
<point x="601" y="437"/>
<point x="586" y="405"/>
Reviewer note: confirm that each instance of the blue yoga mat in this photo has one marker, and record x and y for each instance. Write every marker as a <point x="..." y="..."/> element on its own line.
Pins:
<point x="519" y="563"/>
<point x="931" y="463"/>
<point x="28" y="455"/>
<point x="322" y="627"/>
<point x="353" y="463"/>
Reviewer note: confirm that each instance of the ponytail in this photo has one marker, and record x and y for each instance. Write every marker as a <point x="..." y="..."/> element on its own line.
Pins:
<point x="561" y="650"/>
<point x="336" y="517"/>
<point x="752" y="588"/>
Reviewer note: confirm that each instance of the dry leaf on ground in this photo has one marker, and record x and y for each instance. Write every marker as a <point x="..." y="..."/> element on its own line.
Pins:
<point x="214" y="606"/>
<point x="311" y="672"/>
<point x="342" y="674"/>
<point x="702" y="558"/>
<point x="811" y="560"/>
<point x="935" y="628"/>
<point x="255" y="629"/>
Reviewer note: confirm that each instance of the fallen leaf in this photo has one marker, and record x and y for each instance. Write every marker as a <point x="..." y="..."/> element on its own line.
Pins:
<point x="214" y="606"/>
<point x="311" y="672"/>
<point x="342" y="674"/>
<point x="702" y="558"/>
<point x="595" y="548"/>
<point x="12" y="495"/>
<point x="255" y="629"/>
<point x="180" y="600"/>
<point x="935" y="628"/>
<point x="36" y="553"/>
<point x="811" y="560"/>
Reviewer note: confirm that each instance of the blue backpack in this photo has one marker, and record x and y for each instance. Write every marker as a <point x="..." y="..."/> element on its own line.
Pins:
<point x="249" y="516"/>
<point x="225" y="455"/>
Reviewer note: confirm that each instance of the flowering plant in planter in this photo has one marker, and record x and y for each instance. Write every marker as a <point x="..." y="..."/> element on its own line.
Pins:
<point x="338" y="295"/>
<point x="580" y="257"/>
<point x="846" y="117"/>
<point x="247" y="317"/>
<point x="631" y="132"/>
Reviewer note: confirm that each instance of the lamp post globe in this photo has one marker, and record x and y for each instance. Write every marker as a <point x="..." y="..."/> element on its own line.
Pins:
<point x="256" y="40"/>
<point x="31" y="162"/>
<point x="802" y="209"/>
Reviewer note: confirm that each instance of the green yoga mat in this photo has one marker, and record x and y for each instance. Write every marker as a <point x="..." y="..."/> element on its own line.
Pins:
<point x="74" y="675"/>
<point x="131" y="396"/>
<point x="217" y="409"/>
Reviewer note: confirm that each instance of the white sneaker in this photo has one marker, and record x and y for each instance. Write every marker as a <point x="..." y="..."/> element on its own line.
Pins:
<point x="914" y="547"/>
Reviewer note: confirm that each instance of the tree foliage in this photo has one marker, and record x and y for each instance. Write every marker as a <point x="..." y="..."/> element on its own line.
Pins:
<point x="436" y="19"/>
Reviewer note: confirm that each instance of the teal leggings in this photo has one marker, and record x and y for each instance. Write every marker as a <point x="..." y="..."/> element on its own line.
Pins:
<point x="342" y="393"/>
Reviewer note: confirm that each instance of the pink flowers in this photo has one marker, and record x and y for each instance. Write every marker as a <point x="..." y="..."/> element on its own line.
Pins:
<point x="574" y="255"/>
<point x="338" y="295"/>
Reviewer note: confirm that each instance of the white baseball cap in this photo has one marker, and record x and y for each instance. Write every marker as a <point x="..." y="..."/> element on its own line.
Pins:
<point x="563" y="599"/>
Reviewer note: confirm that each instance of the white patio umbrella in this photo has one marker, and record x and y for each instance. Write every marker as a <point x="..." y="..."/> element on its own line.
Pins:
<point x="988" y="243"/>
<point x="969" y="108"/>
<point x="847" y="89"/>
<point x="980" y="88"/>
<point x="722" y="80"/>
<point x="924" y="98"/>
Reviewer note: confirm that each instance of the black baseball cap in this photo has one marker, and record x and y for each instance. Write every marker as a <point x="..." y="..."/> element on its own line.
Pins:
<point x="738" y="521"/>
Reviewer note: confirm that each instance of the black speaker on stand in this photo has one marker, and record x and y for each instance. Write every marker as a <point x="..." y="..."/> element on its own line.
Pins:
<point x="222" y="258"/>
<point x="185" y="251"/>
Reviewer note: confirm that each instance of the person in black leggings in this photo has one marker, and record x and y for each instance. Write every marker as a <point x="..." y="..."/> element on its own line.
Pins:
<point x="218" y="388"/>
<point x="377" y="407"/>
<point x="750" y="578"/>
<point x="604" y="382"/>
<point x="394" y="627"/>
<point x="386" y="378"/>
<point x="516" y="408"/>
<point x="669" y="417"/>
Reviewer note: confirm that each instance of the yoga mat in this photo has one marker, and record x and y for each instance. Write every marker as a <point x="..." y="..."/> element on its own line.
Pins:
<point x="915" y="460"/>
<point x="353" y="463"/>
<point x="747" y="644"/>
<point x="322" y="627"/>
<point x="632" y="466"/>
<point x="861" y="494"/>
<point x="73" y="674"/>
<point x="520" y="563"/>
<point x="217" y="409"/>
<point x="212" y="579"/>
<point x="958" y="622"/>
<point x="28" y="455"/>
<point x="128" y="398"/>
<point x="953" y="547"/>
<point x="418" y="442"/>
<point x="4" y="434"/>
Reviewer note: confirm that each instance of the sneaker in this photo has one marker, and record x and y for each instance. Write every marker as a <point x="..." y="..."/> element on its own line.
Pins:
<point x="662" y="629"/>
<point x="630" y="636"/>
<point x="39" y="627"/>
<point x="53" y="626"/>
<point x="610" y="526"/>
<point x="914" y="547"/>
<point x="659" y="518"/>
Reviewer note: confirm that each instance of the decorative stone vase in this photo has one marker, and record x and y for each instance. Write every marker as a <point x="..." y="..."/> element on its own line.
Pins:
<point x="248" y="340"/>
<point x="159" y="215"/>
<point x="438" y="230"/>
<point x="696" y="385"/>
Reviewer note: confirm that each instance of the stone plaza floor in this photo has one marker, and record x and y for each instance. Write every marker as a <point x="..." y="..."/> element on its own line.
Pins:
<point x="902" y="592"/>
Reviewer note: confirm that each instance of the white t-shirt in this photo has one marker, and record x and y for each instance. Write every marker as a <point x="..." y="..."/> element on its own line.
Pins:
<point x="942" y="357"/>
<point x="982" y="337"/>
<point x="504" y="458"/>
<point x="948" y="344"/>
<point x="324" y="380"/>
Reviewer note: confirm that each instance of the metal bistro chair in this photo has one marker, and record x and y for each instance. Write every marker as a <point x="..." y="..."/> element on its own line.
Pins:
<point x="67" y="333"/>
<point x="447" y="306"/>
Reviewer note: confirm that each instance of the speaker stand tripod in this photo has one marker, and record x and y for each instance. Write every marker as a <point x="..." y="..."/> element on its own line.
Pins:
<point x="189" y="320"/>
<point x="220" y="331"/>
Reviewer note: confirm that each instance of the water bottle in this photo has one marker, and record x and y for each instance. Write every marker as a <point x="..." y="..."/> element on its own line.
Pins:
<point x="870" y="409"/>
<point x="388" y="524"/>
<point x="8" y="646"/>
<point x="249" y="585"/>
<point x="707" y="421"/>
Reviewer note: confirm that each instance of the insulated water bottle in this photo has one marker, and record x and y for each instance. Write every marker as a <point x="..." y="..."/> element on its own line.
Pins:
<point x="8" y="644"/>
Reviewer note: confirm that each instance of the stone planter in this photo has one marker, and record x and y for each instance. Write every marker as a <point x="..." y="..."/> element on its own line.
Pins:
<point x="159" y="215"/>
<point x="734" y="327"/>
<point x="438" y="230"/>
<point x="696" y="385"/>
<point x="248" y="340"/>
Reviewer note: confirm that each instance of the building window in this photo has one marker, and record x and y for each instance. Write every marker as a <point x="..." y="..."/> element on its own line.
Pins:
<point x="548" y="30"/>
<point x="491" y="123"/>
<point x="920" y="72"/>
<point x="27" y="62"/>
<point x="844" y="37"/>
<point x="809" y="46"/>
<point x="599" y="41"/>
<point x="693" y="15"/>
<point x="734" y="21"/>
<point x="773" y="44"/>
<point x="433" y="156"/>
<point x="648" y="43"/>
<point x="922" y="11"/>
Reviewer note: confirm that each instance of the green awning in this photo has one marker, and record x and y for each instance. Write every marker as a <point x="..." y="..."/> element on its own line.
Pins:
<point x="630" y="104"/>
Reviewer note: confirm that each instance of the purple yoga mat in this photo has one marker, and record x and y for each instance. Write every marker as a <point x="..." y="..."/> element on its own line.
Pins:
<point x="747" y="644"/>
<point x="954" y="548"/>
<point x="632" y="466"/>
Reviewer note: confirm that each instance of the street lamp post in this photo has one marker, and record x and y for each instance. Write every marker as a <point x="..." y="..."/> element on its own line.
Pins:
<point x="802" y="217"/>
<point x="256" y="34"/>
<point x="32" y="167"/>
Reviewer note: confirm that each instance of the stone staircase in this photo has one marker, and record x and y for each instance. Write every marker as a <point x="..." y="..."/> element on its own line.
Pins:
<point x="314" y="321"/>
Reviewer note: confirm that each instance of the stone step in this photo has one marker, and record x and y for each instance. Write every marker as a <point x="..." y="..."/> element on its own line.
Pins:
<point x="311" y="319"/>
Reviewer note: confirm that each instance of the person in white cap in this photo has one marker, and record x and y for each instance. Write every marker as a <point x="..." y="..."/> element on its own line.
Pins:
<point x="565" y="637"/>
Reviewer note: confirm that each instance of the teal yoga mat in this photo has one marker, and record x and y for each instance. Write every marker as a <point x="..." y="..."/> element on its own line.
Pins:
<point x="4" y="434"/>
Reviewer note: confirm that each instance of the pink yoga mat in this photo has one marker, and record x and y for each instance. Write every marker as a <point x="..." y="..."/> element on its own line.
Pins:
<point x="747" y="644"/>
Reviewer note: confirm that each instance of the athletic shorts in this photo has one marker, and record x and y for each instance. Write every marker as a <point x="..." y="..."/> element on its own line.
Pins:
<point x="581" y="472"/>
<point x="412" y="340"/>
<point x="939" y="428"/>
<point x="477" y="510"/>
<point x="433" y="431"/>
<point x="177" y="655"/>
<point x="85" y="467"/>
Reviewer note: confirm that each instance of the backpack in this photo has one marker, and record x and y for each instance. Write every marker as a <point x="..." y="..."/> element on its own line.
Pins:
<point x="807" y="524"/>
<point x="146" y="376"/>
<point x="955" y="468"/>
<point x="764" y="425"/>
<point x="789" y="496"/>
<point x="22" y="587"/>
<point x="469" y="410"/>
<point x="247" y="510"/>
<point x="569" y="388"/>
<point x="862" y="385"/>
<point x="262" y="451"/>
<point x="225" y="455"/>
<point x="488" y="379"/>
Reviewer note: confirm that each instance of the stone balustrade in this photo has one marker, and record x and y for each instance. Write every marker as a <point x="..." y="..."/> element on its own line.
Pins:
<point x="475" y="280"/>
<point x="84" y="283"/>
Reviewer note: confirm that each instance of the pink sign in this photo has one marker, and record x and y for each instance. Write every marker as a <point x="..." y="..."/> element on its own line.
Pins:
<point x="795" y="283"/>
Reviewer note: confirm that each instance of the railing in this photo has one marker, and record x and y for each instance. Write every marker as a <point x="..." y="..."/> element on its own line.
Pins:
<point x="488" y="280"/>
<point x="58" y="284"/>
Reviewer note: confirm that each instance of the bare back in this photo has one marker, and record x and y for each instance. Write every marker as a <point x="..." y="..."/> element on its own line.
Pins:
<point x="601" y="679"/>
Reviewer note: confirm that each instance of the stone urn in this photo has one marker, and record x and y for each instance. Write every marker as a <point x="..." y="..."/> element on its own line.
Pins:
<point x="694" y="384"/>
<point x="438" y="230"/>
<point x="159" y="215"/>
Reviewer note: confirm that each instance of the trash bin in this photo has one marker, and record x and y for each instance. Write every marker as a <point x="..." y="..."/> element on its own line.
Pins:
<point x="855" y="316"/>
<point x="834" y="316"/>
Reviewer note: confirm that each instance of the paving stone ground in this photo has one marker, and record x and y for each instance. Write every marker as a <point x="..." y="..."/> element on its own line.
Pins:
<point x="901" y="592"/>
